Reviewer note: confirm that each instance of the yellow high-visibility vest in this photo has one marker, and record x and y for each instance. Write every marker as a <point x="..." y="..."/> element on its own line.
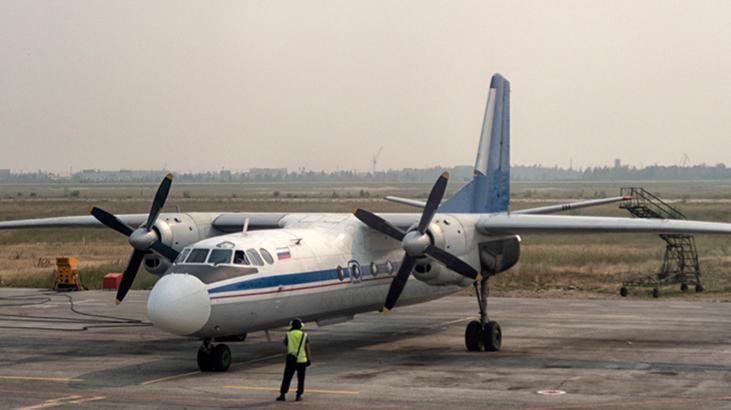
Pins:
<point x="294" y="337"/>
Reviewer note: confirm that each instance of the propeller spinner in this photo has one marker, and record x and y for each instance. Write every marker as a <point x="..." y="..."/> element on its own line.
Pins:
<point x="143" y="239"/>
<point x="416" y="243"/>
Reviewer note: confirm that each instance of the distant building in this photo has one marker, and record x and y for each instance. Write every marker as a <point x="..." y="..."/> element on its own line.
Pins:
<point x="4" y="174"/>
<point x="267" y="173"/>
<point x="122" y="175"/>
<point x="617" y="163"/>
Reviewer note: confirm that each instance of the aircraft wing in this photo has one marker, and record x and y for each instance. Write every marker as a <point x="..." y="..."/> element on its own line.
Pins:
<point x="227" y="222"/>
<point x="223" y="221"/>
<point x="571" y="205"/>
<point x="86" y="221"/>
<point x="549" y="209"/>
<point x="522" y="223"/>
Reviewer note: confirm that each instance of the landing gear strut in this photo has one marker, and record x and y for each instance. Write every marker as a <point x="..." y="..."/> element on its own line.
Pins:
<point x="213" y="357"/>
<point x="483" y="334"/>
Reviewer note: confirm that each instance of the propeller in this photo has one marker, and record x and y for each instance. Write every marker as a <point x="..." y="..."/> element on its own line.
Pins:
<point x="143" y="239"/>
<point x="416" y="243"/>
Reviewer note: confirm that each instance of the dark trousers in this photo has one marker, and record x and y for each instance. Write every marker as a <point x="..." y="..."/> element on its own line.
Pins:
<point x="289" y="370"/>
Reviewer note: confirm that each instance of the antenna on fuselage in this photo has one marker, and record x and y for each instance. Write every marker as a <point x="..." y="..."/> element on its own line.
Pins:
<point x="246" y="225"/>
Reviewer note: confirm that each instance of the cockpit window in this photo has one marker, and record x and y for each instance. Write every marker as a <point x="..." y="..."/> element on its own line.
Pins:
<point x="220" y="256"/>
<point x="197" y="256"/>
<point x="182" y="255"/>
<point x="254" y="257"/>
<point x="266" y="255"/>
<point x="240" y="258"/>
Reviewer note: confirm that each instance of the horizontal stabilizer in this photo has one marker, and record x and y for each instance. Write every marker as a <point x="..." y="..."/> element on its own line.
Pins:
<point x="406" y="201"/>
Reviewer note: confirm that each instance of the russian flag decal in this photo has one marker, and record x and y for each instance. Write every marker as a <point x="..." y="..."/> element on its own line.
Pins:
<point x="283" y="253"/>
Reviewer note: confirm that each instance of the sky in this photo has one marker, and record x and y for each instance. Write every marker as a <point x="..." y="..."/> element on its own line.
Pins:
<point x="193" y="86"/>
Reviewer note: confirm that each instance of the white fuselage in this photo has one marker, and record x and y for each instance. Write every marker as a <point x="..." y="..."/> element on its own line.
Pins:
<point x="327" y="267"/>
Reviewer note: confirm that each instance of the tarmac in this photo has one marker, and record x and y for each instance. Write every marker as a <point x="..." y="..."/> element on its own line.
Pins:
<point x="557" y="353"/>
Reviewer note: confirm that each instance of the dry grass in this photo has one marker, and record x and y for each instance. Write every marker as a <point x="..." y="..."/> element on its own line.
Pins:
<point x="574" y="265"/>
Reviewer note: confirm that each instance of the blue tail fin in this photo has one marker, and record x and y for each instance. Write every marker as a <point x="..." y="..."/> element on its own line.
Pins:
<point x="489" y="190"/>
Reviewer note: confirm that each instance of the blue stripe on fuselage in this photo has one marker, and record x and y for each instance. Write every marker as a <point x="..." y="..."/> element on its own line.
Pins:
<point x="282" y="280"/>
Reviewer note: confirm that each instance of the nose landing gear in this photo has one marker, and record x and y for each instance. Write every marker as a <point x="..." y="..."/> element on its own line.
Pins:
<point x="213" y="357"/>
<point x="483" y="334"/>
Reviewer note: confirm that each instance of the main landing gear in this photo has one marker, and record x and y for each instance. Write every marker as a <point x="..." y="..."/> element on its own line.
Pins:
<point x="483" y="334"/>
<point x="213" y="357"/>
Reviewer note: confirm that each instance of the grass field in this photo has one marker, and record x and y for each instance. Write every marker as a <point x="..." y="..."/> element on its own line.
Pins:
<point x="577" y="265"/>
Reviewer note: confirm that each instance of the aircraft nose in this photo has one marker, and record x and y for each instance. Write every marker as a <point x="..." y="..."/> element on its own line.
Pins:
<point x="179" y="304"/>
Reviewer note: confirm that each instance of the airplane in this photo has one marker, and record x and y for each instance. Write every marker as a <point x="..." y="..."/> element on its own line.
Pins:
<point x="224" y="274"/>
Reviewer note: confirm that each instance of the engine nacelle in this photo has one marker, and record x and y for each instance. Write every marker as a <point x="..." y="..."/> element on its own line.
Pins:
<point x="500" y="254"/>
<point x="175" y="231"/>
<point x="448" y="234"/>
<point x="156" y="264"/>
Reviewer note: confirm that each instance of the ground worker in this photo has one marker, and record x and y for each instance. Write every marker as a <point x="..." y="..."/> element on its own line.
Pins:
<point x="298" y="358"/>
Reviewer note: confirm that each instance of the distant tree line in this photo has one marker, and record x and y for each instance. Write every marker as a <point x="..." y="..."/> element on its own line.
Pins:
<point x="458" y="173"/>
<point x="623" y="173"/>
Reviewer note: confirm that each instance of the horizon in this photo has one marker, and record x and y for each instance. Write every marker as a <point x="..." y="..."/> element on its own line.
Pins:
<point x="357" y="171"/>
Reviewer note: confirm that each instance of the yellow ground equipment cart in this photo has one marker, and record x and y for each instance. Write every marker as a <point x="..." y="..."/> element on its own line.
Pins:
<point x="67" y="275"/>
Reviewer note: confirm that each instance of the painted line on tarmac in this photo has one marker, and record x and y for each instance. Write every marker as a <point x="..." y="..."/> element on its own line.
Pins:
<point x="173" y="377"/>
<point x="95" y="398"/>
<point x="307" y="390"/>
<point x="41" y="379"/>
<point x="181" y="375"/>
<point x="60" y="401"/>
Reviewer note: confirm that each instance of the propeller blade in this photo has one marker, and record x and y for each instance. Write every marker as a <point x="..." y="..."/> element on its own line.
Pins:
<point x="165" y="250"/>
<point x="379" y="224"/>
<point x="435" y="198"/>
<point x="129" y="274"/>
<point x="111" y="221"/>
<point x="160" y="197"/>
<point x="452" y="262"/>
<point x="399" y="282"/>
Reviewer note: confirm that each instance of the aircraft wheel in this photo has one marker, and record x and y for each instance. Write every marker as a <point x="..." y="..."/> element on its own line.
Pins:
<point x="684" y="287"/>
<point x="699" y="288"/>
<point x="655" y="293"/>
<point x="492" y="336"/>
<point x="473" y="336"/>
<point x="623" y="292"/>
<point x="221" y="357"/>
<point x="205" y="364"/>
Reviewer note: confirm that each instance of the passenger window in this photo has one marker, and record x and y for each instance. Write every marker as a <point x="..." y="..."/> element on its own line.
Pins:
<point x="341" y="273"/>
<point x="197" y="256"/>
<point x="266" y="255"/>
<point x="182" y="255"/>
<point x="240" y="258"/>
<point x="254" y="257"/>
<point x="219" y="256"/>
<point x="374" y="269"/>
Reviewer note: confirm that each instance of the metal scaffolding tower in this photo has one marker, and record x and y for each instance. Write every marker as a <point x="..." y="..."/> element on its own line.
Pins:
<point x="680" y="264"/>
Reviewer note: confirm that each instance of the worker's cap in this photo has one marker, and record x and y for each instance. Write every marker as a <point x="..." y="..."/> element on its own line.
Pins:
<point x="297" y="323"/>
